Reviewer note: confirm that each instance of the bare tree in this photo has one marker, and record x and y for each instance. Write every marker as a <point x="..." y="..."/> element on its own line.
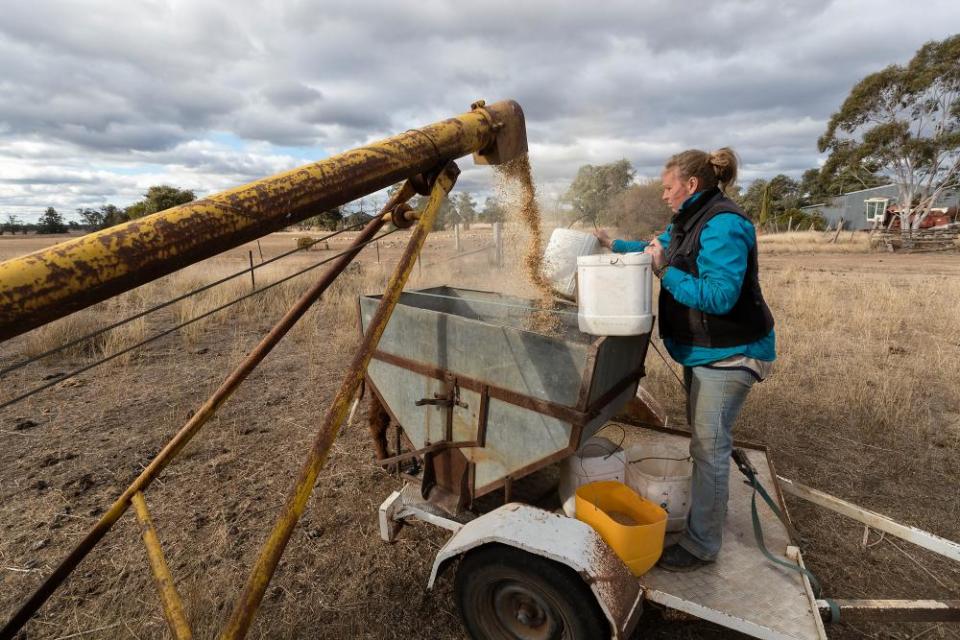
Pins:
<point x="639" y="212"/>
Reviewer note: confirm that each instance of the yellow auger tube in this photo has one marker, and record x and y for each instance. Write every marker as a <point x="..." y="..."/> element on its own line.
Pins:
<point x="51" y="283"/>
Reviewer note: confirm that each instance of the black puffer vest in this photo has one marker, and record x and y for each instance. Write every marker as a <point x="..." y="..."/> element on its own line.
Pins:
<point x="749" y="319"/>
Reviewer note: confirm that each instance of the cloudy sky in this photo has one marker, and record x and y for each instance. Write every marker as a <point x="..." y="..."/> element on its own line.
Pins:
<point x="99" y="100"/>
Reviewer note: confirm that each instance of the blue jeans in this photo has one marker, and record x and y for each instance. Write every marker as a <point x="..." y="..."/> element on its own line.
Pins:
<point x="715" y="397"/>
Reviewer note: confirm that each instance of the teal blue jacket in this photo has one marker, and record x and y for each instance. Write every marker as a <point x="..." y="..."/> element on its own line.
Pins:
<point x="725" y="242"/>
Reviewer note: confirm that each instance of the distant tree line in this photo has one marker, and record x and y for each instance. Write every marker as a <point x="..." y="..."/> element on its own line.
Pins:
<point x="460" y="208"/>
<point x="51" y="221"/>
<point x="609" y="194"/>
<point x="157" y="198"/>
<point x="777" y="204"/>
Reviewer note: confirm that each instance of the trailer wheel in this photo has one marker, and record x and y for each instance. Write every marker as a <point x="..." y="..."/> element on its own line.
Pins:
<point x="507" y="594"/>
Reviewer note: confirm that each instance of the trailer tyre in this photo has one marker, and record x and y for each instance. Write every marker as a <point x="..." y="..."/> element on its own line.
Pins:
<point x="504" y="593"/>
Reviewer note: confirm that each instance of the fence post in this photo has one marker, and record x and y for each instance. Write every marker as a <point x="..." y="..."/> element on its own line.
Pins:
<point x="253" y="280"/>
<point x="498" y="243"/>
<point x="456" y="237"/>
<point x="839" y="229"/>
<point x="377" y="243"/>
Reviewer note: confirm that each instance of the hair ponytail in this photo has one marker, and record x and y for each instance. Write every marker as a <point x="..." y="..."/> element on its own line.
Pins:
<point x="718" y="168"/>
<point x="724" y="163"/>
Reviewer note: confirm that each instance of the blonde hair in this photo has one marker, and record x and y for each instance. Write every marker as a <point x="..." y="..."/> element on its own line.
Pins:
<point x="717" y="168"/>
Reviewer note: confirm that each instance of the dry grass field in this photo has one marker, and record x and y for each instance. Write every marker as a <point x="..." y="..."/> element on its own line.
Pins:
<point x="801" y="242"/>
<point x="865" y="404"/>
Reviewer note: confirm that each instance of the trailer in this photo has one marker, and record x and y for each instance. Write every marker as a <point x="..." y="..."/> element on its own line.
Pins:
<point x="480" y="408"/>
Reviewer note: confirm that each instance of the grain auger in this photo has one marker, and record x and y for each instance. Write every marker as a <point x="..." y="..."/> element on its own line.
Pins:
<point x="51" y="283"/>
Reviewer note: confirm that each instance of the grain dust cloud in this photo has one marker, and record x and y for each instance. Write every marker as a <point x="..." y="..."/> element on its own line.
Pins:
<point x="518" y="194"/>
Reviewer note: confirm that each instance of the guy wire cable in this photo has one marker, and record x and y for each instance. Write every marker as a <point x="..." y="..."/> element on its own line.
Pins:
<point x="166" y="332"/>
<point x="138" y="315"/>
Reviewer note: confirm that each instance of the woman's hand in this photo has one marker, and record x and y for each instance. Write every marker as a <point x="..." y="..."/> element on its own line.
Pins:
<point x="605" y="241"/>
<point x="655" y="249"/>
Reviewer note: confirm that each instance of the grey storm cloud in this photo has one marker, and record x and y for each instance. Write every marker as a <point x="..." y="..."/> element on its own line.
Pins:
<point x="207" y="94"/>
<point x="291" y="93"/>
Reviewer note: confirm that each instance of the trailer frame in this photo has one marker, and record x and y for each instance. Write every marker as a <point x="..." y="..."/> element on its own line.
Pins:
<point x="509" y="524"/>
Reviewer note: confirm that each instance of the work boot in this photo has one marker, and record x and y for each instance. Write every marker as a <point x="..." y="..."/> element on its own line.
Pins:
<point x="677" y="559"/>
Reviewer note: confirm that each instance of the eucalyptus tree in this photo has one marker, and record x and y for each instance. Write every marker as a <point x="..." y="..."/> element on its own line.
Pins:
<point x="904" y="120"/>
<point x="595" y="185"/>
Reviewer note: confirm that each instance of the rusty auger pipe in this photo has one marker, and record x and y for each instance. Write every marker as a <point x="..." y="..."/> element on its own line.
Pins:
<point x="273" y="548"/>
<point x="53" y="282"/>
<point x="209" y="408"/>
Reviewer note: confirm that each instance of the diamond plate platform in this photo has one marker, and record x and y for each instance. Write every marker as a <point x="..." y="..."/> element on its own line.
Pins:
<point x="742" y="590"/>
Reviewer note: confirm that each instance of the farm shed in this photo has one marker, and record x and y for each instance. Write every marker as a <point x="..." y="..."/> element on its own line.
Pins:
<point x="849" y="206"/>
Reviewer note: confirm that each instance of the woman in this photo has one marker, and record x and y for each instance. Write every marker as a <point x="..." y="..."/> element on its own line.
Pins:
<point x="713" y="321"/>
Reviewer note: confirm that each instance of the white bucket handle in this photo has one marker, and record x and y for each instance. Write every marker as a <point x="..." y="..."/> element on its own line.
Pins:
<point x="684" y="459"/>
<point x="617" y="447"/>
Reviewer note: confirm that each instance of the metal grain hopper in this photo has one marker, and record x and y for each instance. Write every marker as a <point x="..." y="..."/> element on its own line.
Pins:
<point x="481" y="399"/>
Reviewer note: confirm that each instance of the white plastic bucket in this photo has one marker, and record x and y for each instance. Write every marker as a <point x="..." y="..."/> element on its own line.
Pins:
<point x="615" y="293"/>
<point x="597" y="459"/>
<point x="560" y="258"/>
<point x="662" y="475"/>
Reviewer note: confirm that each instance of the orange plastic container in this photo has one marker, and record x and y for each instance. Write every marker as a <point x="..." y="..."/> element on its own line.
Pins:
<point x="633" y="526"/>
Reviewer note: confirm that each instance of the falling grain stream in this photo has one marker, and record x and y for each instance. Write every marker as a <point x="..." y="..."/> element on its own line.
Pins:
<point x="519" y="194"/>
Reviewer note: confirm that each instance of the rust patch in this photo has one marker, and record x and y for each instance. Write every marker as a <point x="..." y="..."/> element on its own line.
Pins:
<point x="617" y="586"/>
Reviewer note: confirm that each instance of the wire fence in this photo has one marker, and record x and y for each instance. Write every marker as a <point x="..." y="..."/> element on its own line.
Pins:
<point x="166" y="332"/>
<point x="167" y="303"/>
<point x="493" y="247"/>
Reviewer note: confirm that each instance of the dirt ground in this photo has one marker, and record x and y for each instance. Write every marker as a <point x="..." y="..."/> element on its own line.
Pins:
<point x="66" y="454"/>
